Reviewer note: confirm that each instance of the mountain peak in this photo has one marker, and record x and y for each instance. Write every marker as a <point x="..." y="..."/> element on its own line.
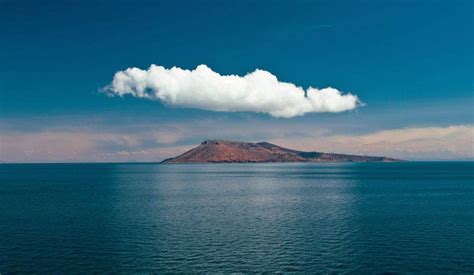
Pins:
<point x="219" y="150"/>
<point x="210" y="141"/>
<point x="214" y="141"/>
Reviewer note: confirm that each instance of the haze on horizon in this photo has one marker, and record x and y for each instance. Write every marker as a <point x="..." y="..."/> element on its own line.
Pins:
<point x="89" y="81"/>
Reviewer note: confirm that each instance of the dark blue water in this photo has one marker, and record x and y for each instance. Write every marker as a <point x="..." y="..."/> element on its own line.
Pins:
<point x="407" y="217"/>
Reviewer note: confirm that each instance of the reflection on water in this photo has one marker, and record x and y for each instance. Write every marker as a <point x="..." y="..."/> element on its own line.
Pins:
<point x="237" y="217"/>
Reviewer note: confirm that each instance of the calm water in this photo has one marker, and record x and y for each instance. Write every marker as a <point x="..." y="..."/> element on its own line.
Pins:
<point x="237" y="217"/>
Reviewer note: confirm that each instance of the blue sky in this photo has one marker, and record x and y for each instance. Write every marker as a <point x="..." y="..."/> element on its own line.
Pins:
<point x="410" y="62"/>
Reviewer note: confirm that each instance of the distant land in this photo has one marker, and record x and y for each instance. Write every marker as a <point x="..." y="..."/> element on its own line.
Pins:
<point x="225" y="151"/>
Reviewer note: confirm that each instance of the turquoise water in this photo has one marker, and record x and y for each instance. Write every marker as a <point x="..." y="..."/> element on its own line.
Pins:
<point x="367" y="217"/>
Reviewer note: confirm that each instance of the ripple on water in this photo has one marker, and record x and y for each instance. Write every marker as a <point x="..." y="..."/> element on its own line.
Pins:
<point x="352" y="218"/>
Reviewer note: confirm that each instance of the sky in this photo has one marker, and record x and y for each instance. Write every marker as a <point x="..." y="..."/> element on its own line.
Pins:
<point x="107" y="81"/>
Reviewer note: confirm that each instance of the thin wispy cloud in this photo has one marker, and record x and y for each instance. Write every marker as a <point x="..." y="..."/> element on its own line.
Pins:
<point x="417" y="143"/>
<point x="52" y="145"/>
<point x="202" y="88"/>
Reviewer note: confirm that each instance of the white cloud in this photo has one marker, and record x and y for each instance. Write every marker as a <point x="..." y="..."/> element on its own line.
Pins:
<point x="202" y="88"/>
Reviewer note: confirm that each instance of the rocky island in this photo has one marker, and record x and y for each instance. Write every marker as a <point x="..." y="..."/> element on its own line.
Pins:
<point x="224" y="151"/>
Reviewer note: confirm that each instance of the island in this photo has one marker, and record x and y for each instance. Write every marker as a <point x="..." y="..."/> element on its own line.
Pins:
<point x="225" y="151"/>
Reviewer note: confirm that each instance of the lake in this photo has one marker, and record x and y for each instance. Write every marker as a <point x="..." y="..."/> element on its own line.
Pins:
<point x="348" y="218"/>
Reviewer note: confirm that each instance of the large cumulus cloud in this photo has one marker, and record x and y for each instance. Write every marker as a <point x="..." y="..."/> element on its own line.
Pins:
<point x="202" y="88"/>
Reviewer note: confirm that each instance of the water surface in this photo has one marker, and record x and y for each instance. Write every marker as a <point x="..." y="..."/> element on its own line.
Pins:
<point x="366" y="217"/>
